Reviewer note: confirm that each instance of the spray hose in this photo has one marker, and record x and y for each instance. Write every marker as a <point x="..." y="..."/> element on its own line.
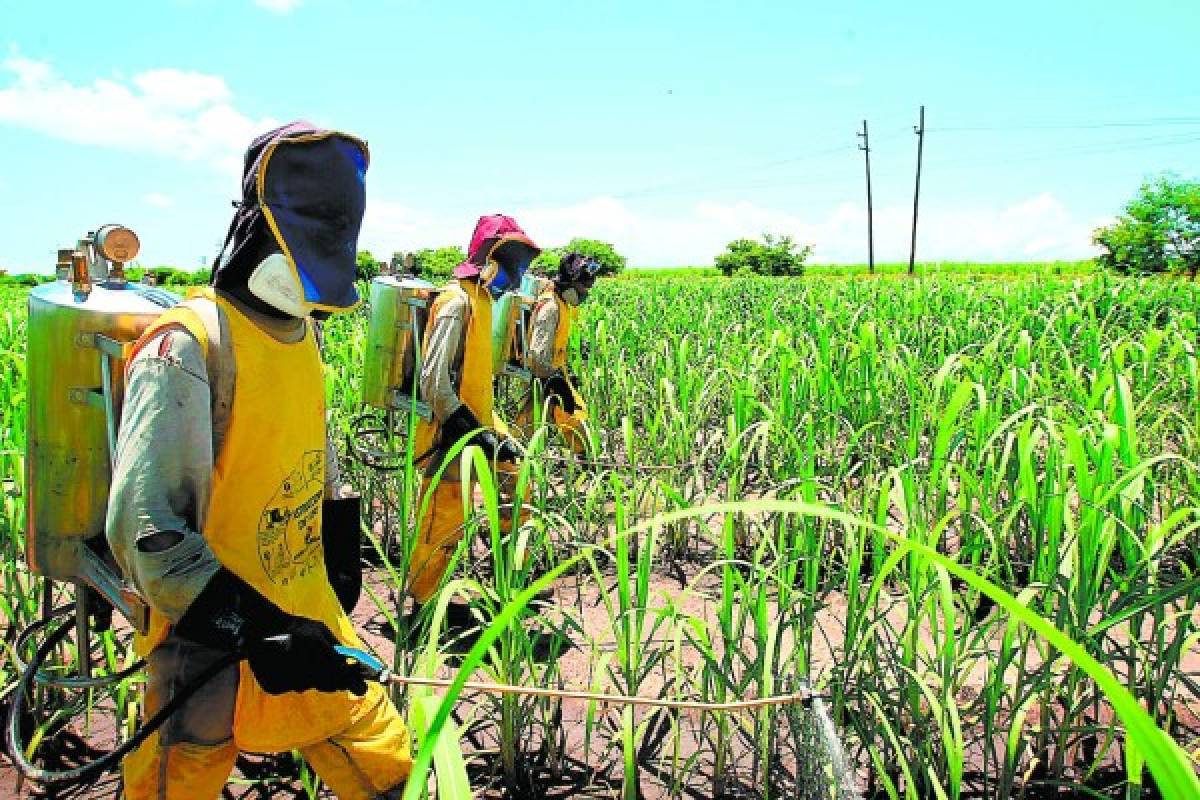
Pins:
<point x="93" y="769"/>
<point x="372" y="669"/>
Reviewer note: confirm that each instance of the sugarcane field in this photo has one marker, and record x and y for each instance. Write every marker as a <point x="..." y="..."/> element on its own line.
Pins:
<point x="552" y="429"/>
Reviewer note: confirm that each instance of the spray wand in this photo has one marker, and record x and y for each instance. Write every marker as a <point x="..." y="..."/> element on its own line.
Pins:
<point x="375" y="670"/>
<point x="372" y="668"/>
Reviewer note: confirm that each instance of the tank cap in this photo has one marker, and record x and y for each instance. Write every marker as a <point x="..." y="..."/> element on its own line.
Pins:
<point x="117" y="243"/>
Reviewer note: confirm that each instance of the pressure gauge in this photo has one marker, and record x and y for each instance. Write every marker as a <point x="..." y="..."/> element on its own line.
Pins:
<point x="117" y="243"/>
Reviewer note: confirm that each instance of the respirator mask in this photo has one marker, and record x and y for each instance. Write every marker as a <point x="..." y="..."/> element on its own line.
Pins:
<point x="312" y="193"/>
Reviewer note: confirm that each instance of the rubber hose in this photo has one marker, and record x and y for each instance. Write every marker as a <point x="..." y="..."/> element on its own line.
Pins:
<point x="110" y="760"/>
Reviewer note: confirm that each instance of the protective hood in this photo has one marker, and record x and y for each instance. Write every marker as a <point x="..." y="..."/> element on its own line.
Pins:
<point x="577" y="268"/>
<point x="294" y="237"/>
<point x="500" y="252"/>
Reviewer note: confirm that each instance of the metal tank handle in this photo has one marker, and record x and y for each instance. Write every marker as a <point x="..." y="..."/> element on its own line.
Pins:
<point x="109" y="350"/>
<point x="399" y="400"/>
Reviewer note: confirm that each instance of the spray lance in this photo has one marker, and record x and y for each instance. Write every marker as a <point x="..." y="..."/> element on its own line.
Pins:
<point x="372" y="668"/>
<point x="375" y="670"/>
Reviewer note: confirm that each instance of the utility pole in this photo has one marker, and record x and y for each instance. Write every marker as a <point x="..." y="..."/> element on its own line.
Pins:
<point x="866" y="148"/>
<point x="920" y="131"/>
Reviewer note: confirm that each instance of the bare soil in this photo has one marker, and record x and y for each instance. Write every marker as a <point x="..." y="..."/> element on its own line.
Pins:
<point x="590" y="765"/>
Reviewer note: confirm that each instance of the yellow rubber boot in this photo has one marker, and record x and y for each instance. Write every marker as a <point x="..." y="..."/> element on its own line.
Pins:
<point x="571" y="427"/>
<point x="438" y="535"/>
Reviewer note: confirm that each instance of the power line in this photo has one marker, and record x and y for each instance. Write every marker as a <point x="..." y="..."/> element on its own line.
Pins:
<point x="743" y="177"/>
<point x="1072" y="126"/>
<point x="1095" y="148"/>
<point x="690" y="182"/>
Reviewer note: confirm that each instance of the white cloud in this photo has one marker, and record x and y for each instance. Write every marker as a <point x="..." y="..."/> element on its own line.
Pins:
<point x="158" y="200"/>
<point x="389" y="226"/>
<point x="177" y="113"/>
<point x="1037" y="228"/>
<point x="1033" y="229"/>
<point x="277" y="6"/>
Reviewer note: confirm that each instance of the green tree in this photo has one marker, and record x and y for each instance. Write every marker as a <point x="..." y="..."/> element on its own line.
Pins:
<point x="611" y="262"/>
<point x="27" y="279"/>
<point x="547" y="261"/>
<point x="1159" y="230"/>
<point x="437" y="264"/>
<point x="368" y="267"/>
<point x="774" y="256"/>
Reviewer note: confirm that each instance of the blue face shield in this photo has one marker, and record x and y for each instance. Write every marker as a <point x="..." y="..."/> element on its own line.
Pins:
<point x="501" y="283"/>
<point x="313" y="194"/>
<point x="512" y="258"/>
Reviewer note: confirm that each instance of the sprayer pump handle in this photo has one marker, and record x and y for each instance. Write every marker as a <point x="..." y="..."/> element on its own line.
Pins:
<point x="372" y="668"/>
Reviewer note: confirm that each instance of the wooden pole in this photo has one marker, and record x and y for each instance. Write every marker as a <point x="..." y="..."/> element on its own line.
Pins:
<point x="920" y="131"/>
<point x="866" y="148"/>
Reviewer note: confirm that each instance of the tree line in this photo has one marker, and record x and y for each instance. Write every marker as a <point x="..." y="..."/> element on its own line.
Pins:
<point x="1157" y="232"/>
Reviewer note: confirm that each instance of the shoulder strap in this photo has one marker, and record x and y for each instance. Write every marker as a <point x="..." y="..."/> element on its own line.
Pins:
<point x="218" y="357"/>
<point x="443" y="296"/>
<point x="201" y="316"/>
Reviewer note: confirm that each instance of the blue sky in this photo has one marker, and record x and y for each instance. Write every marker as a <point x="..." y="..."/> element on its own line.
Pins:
<point x="667" y="128"/>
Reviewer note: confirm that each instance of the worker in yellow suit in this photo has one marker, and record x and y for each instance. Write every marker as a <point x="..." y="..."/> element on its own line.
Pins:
<point x="224" y="511"/>
<point x="551" y="323"/>
<point x="456" y="382"/>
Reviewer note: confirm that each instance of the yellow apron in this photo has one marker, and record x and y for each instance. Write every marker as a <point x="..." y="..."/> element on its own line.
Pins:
<point x="440" y="529"/>
<point x="475" y="375"/>
<point x="264" y="517"/>
<point x="562" y="336"/>
<point x="571" y="426"/>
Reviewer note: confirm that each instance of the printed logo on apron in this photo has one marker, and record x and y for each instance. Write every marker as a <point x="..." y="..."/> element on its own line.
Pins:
<point x="289" y="534"/>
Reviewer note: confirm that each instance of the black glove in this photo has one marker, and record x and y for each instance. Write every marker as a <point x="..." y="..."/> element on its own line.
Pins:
<point x="303" y="658"/>
<point x="341" y="539"/>
<point x="286" y="653"/>
<point x="458" y="425"/>
<point x="558" y="388"/>
<point x="463" y="422"/>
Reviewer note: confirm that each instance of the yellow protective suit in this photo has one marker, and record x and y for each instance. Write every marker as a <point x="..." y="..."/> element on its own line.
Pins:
<point x="440" y="527"/>
<point x="571" y="426"/>
<point x="264" y="524"/>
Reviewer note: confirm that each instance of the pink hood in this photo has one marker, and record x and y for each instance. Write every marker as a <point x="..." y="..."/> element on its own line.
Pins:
<point x="490" y="231"/>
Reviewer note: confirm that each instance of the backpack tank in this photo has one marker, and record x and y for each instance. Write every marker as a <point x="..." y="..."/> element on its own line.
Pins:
<point x="399" y="312"/>
<point x="80" y="333"/>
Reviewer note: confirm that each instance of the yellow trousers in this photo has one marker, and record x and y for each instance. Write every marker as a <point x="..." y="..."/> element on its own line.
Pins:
<point x="441" y="527"/>
<point x="191" y="756"/>
<point x="570" y="426"/>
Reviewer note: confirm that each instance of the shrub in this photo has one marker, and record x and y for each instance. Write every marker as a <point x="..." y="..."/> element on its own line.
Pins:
<point x="611" y="262"/>
<point x="367" y="266"/>
<point x="436" y="264"/>
<point x="1159" y="230"/>
<point x="773" y="256"/>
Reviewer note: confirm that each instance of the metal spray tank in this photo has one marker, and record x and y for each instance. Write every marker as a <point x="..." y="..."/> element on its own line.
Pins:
<point x="81" y="331"/>
<point x="511" y="315"/>
<point x="399" y="310"/>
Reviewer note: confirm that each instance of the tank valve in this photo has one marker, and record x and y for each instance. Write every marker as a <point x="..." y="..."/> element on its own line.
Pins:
<point x="62" y="269"/>
<point x="81" y="280"/>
